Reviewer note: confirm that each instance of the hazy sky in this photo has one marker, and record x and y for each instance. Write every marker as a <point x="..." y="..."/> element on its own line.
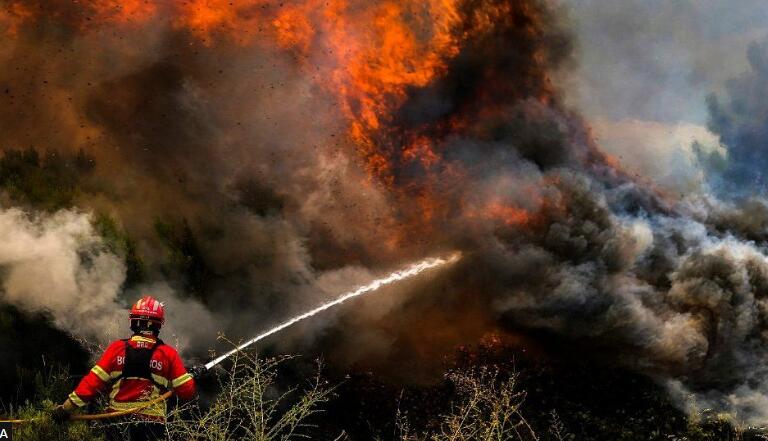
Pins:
<point x="657" y="60"/>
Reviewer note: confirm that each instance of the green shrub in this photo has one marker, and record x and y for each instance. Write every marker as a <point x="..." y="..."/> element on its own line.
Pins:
<point x="51" y="386"/>
<point x="44" y="429"/>
<point x="49" y="182"/>
<point x="185" y="260"/>
<point x="120" y="243"/>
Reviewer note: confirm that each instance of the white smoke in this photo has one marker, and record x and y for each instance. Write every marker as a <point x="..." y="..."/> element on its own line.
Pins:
<point x="58" y="265"/>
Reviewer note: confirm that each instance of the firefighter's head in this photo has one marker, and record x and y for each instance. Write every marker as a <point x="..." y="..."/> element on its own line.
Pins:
<point x="147" y="316"/>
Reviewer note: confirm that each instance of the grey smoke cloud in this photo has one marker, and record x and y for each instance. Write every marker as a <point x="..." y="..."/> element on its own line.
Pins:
<point x="58" y="265"/>
<point x="657" y="60"/>
<point x="668" y="154"/>
<point x="669" y="292"/>
<point x="739" y="118"/>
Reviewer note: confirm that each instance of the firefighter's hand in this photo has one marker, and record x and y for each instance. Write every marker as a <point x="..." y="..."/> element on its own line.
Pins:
<point x="61" y="413"/>
<point x="198" y="371"/>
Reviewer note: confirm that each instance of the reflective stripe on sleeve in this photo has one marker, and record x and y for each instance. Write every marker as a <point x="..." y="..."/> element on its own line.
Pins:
<point x="75" y="399"/>
<point x="101" y="373"/>
<point x="181" y="380"/>
<point x="160" y="380"/>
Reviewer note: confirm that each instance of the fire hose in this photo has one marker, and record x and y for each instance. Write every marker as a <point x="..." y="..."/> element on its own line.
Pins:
<point x="410" y="271"/>
<point x="101" y="416"/>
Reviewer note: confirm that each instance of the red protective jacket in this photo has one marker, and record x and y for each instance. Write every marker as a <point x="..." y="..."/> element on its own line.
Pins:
<point x="167" y="372"/>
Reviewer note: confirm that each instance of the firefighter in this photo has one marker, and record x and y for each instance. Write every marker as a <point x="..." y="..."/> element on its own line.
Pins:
<point x="135" y="370"/>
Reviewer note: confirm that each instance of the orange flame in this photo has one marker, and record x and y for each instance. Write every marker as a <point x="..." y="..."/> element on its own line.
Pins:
<point x="122" y="11"/>
<point x="370" y="56"/>
<point x="371" y="53"/>
<point x="13" y="17"/>
<point x="293" y="28"/>
<point x="240" y="21"/>
<point x="508" y="214"/>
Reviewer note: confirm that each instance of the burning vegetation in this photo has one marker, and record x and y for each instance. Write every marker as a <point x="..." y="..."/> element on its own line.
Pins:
<point x="246" y="161"/>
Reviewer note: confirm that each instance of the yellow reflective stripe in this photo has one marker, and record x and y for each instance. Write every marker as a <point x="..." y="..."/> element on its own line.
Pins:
<point x="181" y="380"/>
<point x="101" y="373"/>
<point x="157" y="409"/>
<point x="75" y="399"/>
<point x="115" y="374"/>
<point x="115" y="390"/>
<point x="160" y="380"/>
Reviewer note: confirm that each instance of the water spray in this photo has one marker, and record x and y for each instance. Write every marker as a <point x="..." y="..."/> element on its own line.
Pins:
<point x="408" y="272"/>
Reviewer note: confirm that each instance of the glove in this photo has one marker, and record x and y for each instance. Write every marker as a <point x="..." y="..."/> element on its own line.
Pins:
<point x="198" y="371"/>
<point x="60" y="414"/>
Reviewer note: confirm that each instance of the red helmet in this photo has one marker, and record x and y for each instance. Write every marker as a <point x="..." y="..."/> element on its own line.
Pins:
<point x="148" y="308"/>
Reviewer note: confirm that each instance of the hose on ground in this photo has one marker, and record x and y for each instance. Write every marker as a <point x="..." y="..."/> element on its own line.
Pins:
<point x="101" y="416"/>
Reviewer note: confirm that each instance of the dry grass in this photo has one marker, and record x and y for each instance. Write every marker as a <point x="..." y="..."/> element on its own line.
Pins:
<point x="488" y="408"/>
<point x="250" y="407"/>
